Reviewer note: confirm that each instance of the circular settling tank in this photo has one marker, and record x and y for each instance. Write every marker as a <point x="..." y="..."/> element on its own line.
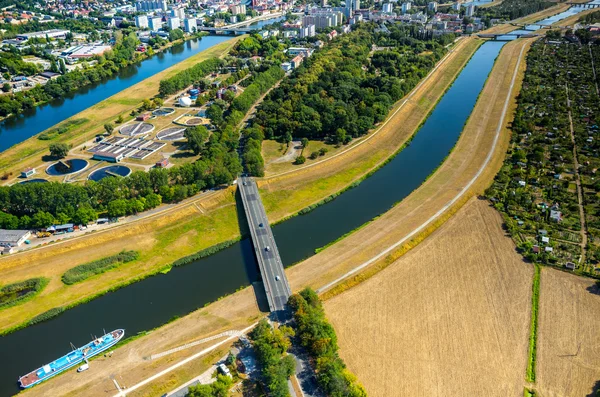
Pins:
<point x="113" y="170"/>
<point x="163" y="111"/>
<point x="65" y="167"/>
<point x="136" y="129"/>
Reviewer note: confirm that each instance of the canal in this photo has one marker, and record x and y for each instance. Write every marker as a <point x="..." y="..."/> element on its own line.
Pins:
<point x="151" y="302"/>
<point x="17" y="129"/>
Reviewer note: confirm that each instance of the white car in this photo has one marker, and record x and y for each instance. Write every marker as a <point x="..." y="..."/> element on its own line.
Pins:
<point x="277" y="278"/>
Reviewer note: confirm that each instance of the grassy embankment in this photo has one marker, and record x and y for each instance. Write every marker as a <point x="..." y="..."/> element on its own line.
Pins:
<point x="86" y="124"/>
<point x="479" y="132"/>
<point x="239" y="309"/>
<point x="212" y="220"/>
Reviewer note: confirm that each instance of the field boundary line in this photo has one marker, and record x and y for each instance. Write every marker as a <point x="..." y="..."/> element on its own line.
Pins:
<point x="451" y="202"/>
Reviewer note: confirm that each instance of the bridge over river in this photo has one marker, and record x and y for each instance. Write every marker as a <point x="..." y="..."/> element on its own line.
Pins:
<point x="269" y="262"/>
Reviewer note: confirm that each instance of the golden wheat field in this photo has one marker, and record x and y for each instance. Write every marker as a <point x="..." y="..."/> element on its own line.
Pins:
<point x="450" y="318"/>
<point x="568" y="353"/>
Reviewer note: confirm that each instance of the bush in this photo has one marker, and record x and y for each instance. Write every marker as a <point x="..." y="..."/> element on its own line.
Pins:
<point x="313" y="155"/>
<point x="87" y="270"/>
<point x="300" y="160"/>
<point x="16" y="293"/>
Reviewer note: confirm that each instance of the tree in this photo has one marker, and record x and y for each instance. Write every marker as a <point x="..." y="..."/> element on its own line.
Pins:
<point x="300" y="160"/>
<point x="59" y="150"/>
<point x="196" y="137"/>
<point x="42" y="220"/>
<point x="117" y="208"/>
<point x="304" y="143"/>
<point x="62" y="66"/>
<point x="6" y="87"/>
<point x="109" y="128"/>
<point x="84" y="215"/>
<point x="215" y="113"/>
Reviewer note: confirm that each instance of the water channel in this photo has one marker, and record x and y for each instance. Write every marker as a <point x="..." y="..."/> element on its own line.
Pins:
<point x="155" y="300"/>
<point x="17" y="129"/>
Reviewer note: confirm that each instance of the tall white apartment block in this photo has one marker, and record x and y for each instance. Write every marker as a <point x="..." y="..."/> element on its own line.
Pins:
<point x="141" y="21"/>
<point x="174" y="23"/>
<point x="155" y="23"/>
<point x="190" y="25"/>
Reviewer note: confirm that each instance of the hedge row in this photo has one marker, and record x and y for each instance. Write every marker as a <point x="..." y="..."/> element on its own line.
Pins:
<point x="87" y="270"/>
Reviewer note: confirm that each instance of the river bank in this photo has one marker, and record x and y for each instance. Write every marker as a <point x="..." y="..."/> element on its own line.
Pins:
<point x="87" y="123"/>
<point x="239" y="309"/>
<point x="171" y="236"/>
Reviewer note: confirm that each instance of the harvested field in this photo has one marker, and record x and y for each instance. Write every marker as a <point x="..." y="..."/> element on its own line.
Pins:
<point x="450" y="318"/>
<point x="568" y="353"/>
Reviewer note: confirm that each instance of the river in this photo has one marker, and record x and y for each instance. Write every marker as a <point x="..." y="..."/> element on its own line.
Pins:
<point x="17" y="129"/>
<point x="153" y="301"/>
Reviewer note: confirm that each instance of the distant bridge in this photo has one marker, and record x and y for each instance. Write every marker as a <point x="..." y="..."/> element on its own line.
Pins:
<point x="584" y="5"/>
<point x="507" y="36"/>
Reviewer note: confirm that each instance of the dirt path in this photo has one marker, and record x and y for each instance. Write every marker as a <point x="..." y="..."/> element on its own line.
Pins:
<point x="293" y="151"/>
<point x="583" y="230"/>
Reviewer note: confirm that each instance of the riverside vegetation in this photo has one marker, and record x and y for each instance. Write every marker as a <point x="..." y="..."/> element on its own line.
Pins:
<point x="17" y="293"/>
<point x="86" y="270"/>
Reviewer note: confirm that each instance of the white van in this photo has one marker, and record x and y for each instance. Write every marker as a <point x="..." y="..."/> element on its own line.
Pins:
<point x="84" y="367"/>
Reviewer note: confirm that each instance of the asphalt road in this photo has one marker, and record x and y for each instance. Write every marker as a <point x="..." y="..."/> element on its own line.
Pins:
<point x="271" y="268"/>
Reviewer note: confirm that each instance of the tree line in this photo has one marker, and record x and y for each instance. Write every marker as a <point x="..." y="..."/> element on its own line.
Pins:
<point x="318" y="337"/>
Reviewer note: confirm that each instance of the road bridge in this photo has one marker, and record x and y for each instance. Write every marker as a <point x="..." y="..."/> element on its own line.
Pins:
<point x="507" y="36"/>
<point x="584" y="5"/>
<point x="269" y="262"/>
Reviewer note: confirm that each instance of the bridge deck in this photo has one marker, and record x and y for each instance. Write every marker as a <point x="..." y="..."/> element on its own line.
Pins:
<point x="269" y="262"/>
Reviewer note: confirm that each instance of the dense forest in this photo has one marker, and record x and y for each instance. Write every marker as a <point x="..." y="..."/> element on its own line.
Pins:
<point x="343" y="90"/>
<point x="318" y="337"/>
<point x="512" y="9"/>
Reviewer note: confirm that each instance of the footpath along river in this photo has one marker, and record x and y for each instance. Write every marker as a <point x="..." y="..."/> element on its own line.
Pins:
<point x="17" y="129"/>
<point x="153" y="301"/>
